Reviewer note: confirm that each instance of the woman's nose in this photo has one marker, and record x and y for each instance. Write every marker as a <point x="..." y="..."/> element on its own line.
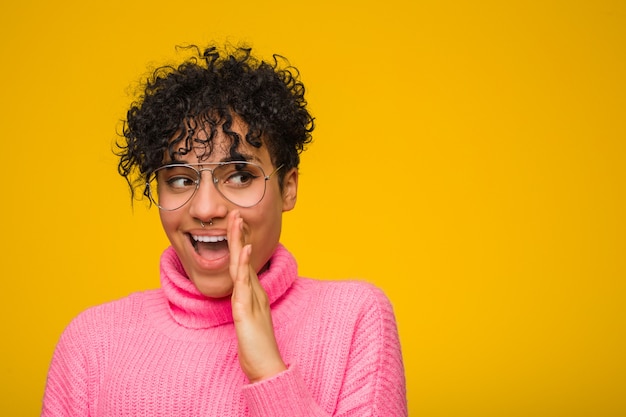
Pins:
<point x="207" y="202"/>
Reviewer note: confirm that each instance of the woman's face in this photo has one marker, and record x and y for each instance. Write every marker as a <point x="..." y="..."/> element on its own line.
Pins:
<point x="207" y="263"/>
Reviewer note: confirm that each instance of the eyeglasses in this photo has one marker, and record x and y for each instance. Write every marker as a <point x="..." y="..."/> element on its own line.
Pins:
<point x="242" y="183"/>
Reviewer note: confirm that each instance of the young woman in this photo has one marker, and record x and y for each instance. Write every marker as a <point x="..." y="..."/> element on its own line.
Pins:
<point x="233" y="330"/>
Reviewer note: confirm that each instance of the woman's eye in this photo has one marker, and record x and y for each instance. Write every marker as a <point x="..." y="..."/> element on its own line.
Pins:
<point x="180" y="182"/>
<point x="240" y="178"/>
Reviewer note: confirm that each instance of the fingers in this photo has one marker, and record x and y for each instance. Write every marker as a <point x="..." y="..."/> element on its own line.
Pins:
<point x="236" y="240"/>
<point x="245" y="281"/>
<point x="245" y="275"/>
<point x="248" y="295"/>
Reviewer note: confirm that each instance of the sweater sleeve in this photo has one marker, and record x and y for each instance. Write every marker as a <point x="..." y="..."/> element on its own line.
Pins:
<point x="66" y="391"/>
<point x="373" y="383"/>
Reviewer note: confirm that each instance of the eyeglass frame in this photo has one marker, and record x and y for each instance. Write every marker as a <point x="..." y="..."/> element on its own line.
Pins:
<point x="214" y="180"/>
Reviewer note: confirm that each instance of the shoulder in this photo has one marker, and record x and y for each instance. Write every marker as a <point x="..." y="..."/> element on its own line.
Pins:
<point x="108" y="317"/>
<point x="348" y="301"/>
<point x="350" y="292"/>
<point x="114" y="308"/>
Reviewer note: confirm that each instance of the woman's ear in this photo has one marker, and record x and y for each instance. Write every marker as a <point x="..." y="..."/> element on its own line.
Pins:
<point x="290" y="189"/>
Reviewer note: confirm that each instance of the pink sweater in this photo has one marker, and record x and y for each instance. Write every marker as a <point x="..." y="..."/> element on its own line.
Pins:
<point x="172" y="352"/>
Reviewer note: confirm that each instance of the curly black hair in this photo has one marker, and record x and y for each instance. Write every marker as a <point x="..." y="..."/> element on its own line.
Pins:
<point x="205" y="93"/>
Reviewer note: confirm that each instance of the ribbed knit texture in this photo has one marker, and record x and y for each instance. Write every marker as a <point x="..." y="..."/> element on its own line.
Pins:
<point x="173" y="352"/>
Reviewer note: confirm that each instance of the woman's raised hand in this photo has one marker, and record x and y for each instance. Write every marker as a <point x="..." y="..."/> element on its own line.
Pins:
<point x="259" y="356"/>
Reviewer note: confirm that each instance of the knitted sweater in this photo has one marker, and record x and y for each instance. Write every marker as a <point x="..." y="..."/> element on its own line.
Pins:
<point x="173" y="352"/>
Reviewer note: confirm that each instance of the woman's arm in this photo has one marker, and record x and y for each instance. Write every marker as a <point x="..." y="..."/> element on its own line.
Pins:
<point x="66" y="386"/>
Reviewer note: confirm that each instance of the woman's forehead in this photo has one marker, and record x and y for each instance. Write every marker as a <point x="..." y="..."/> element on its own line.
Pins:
<point x="218" y="149"/>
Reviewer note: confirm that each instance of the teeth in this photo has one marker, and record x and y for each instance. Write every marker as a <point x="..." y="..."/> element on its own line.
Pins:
<point x="211" y="239"/>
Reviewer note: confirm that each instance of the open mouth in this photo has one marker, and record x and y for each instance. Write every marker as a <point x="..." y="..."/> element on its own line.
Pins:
<point x="210" y="247"/>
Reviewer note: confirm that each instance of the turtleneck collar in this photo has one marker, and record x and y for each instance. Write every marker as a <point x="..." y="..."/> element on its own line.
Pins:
<point x="191" y="309"/>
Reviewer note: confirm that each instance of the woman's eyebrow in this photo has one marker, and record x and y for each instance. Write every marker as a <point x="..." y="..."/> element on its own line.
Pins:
<point x="241" y="157"/>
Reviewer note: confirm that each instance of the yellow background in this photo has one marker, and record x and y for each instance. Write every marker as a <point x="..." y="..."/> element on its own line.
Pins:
<point x="469" y="159"/>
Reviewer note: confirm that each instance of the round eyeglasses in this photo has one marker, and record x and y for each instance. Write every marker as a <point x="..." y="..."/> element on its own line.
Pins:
<point x="242" y="183"/>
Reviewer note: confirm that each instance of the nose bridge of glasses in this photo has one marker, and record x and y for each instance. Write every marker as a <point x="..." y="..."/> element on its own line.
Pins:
<point x="214" y="179"/>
